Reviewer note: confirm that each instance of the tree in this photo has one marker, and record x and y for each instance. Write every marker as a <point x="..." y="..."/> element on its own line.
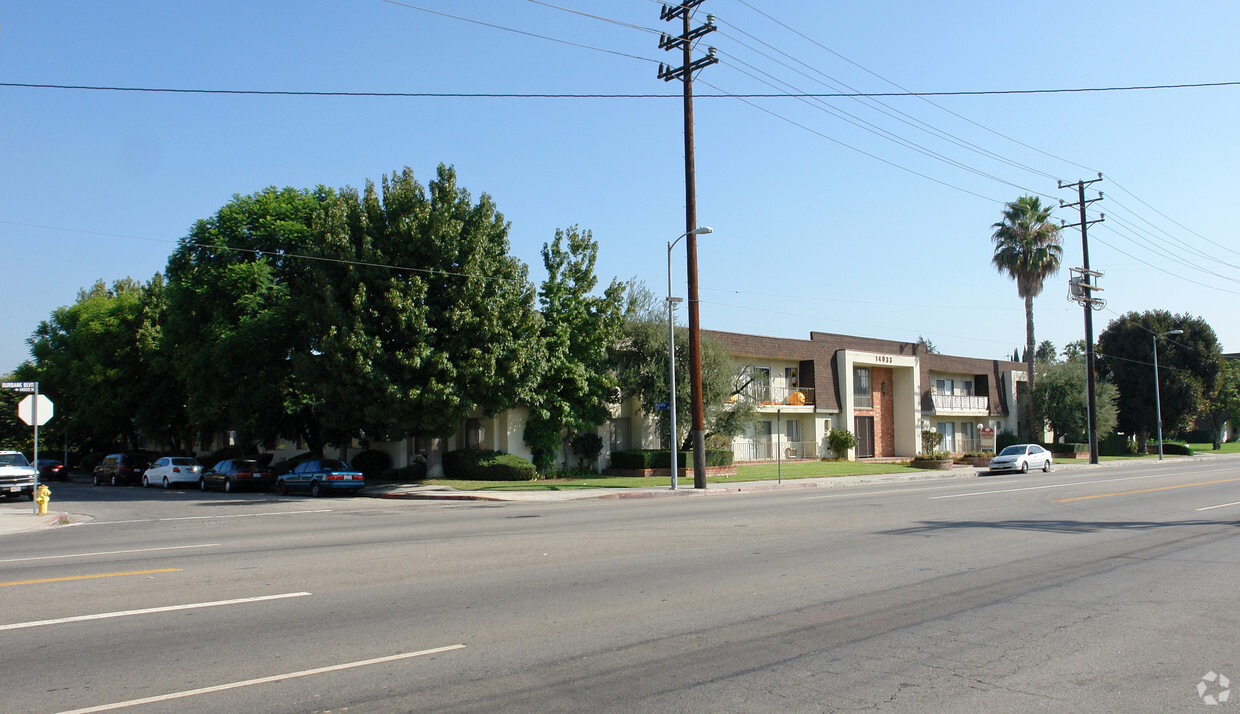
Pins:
<point x="89" y="358"/>
<point x="432" y="320"/>
<point x="926" y="345"/>
<point x="1223" y="402"/>
<point x="1188" y="368"/>
<point x="1074" y="349"/>
<point x="642" y="365"/>
<point x="578" y="384"/>
<point x="1046" y="352"/>
<point x="243" y="320"/>
<point x="1027" y="249"/>
<point x="1061" y="392"/>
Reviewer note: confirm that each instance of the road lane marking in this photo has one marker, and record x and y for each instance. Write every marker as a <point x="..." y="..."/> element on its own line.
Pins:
<point x="203" y="518"/>
<point x="149" y="611"/>
<point x="1052" y="485"/>
<point x="1221" y="505"/>
<point x="262" y="680"/>
<point x="89" y="577"/>
<point x="107" y="552"/>
<point x="1145" y="490"/>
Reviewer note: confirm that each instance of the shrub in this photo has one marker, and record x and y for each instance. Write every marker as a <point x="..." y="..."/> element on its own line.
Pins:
<point x="486" y="465"/>
<point x="1117" y="445"/>
<point x="587" y="445"/>
<point x="1171" y="447"/>
<point x="413" y="473"/>
<point x="372" y="463"/>
<point x="1069" y="449"/>
<point x="840" y="441"/>
<point x="1005" y="439"/>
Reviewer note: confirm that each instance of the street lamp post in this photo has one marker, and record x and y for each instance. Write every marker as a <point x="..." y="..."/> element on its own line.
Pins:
<point x="1157" y="399"/>
<point x="671" y="347"/>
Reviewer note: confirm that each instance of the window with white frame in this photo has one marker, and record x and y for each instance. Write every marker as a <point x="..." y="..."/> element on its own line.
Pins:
<point x="862" y="396"/>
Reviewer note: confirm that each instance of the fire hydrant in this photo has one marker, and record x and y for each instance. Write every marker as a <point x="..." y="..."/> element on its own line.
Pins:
<point x="43" y="498"/>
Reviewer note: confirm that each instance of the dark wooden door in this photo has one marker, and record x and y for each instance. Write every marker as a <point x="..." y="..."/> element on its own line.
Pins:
<point x="863" y="428"/>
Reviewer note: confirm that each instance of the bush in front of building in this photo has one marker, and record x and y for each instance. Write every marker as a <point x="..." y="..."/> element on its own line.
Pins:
<point x="487" y="465"/>
<point x="662" y="459"/>
<point x="1067" y="449"/>
<point x="1117" y="445"/>
<point x="413" y="473"/>
<point x="840" y="441"/>
<point x="1171" y="447"/>
<point x="1005" y="439"/>
<point x="371" y="463"/>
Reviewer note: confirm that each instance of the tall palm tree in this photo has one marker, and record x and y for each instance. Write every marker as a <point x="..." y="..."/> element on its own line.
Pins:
<point x="1027" y="249"/>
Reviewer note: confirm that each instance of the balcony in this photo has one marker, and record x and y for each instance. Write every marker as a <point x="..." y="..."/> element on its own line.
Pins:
<point x="772" y="395"/>
<point x="960" y="403"/>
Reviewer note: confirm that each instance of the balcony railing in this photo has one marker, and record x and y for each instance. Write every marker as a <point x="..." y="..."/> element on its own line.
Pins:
<point x="771" y="395"/>
<point x="765" y="450"/>
<point x="960" y="403"/>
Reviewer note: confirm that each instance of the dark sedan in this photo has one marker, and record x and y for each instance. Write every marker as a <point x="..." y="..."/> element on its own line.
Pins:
<point x="320" y="477"/>
<point x="236" y="475"/>
<point x="52" y="470"/>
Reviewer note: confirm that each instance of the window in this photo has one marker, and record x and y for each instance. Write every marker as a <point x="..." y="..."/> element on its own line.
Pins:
<point x="862" y="396"/>
<point x="946" y="430"/>
<point x="759" y="387"/>
<point x="966" y="387"/>
<point x="943" y="386"/>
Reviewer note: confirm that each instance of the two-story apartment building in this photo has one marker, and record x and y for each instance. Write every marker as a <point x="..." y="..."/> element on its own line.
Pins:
<point x="885" y="392"/>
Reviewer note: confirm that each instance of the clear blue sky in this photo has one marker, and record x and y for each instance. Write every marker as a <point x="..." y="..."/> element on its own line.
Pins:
<point x="819" y="225"/>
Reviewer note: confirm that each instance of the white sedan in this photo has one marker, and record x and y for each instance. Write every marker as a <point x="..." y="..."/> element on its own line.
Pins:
<point x="172" y="469"/>
<point x="1021" y="457"/>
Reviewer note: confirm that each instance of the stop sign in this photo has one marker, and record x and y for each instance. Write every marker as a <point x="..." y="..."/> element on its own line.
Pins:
<point x="25" y="409"/>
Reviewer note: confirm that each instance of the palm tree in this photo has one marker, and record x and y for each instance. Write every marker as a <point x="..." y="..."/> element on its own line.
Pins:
<point x="1027" y="249"/>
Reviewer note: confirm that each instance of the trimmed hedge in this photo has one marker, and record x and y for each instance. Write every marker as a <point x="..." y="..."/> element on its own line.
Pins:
<point x="1117" y="445"/>
<point x="1170" y="447"/>
<point x="486" y="465"/>
<point x="371" y="463"/>
<point x="413" y="473"/>
<point x="651" y="459"/>
<point x="1070" y="449"/>
<point x="1005" y="439"/>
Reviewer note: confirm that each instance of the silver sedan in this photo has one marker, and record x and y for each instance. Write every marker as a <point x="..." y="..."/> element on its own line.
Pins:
<point x="1021" y="457"/>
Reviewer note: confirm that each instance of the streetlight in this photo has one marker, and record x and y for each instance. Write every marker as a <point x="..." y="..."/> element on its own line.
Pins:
<point x="1157" y="400"/>
<point x="671" y="344"/>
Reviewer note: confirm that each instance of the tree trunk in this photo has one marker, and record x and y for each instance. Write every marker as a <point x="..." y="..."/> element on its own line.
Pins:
<point x="434" y="457"/>
<point x="1035" y="434"/>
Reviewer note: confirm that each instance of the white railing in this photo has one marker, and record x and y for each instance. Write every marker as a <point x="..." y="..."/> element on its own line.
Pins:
<point x="960" y="403"/>
<point x="765" y="450"/>
<point x="771" y="395"/>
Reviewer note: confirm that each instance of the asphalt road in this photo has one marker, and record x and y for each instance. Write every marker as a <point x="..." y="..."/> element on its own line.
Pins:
<point x="1105" y="590"/>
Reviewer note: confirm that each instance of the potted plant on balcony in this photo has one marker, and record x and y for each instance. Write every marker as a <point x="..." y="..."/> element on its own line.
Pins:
<point x="930" y="457"/>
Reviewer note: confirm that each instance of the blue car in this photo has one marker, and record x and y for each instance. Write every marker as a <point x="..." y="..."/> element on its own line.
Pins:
<point x="320" y="477"/>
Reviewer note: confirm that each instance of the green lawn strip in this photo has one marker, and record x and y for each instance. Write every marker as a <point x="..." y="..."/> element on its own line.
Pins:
<point x="749" y="472"/>
<point x="1232" y="447"/>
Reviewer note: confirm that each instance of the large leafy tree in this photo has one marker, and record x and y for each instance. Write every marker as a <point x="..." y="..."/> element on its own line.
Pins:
<point x="642" y="363"/>
<point x="1188" y="368"/>
<point x="1223" y="403"/>
<point x="1061" y="392"/>
<point x="578" y="384"/>
<point x="431" y="320"/>
<point x="90" y="359"/>
<point x="240" y="320"/>
<point x="1028" y="250"/>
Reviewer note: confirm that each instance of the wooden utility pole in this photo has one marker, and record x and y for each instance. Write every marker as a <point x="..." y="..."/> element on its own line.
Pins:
<point x="1081" y="290"/>
<point x="684" y="43"/>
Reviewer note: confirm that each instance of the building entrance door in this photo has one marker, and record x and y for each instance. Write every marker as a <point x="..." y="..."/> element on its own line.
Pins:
<point x="863" y="428"/>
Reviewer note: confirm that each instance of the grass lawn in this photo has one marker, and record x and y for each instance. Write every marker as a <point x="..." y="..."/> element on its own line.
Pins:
<point x="1208" y="448"/>
<point x="762" y="472"/>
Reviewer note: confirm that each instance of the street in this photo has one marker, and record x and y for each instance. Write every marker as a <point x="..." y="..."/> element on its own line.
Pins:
<point x="1078" y="590"/>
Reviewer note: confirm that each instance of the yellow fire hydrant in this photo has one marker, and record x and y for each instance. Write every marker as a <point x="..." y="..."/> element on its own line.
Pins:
<point x="43" y="498"/>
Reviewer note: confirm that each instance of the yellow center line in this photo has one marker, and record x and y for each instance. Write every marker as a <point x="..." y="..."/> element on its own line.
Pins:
<point x="1144" y="490"/>
<point x="87" y="577"/>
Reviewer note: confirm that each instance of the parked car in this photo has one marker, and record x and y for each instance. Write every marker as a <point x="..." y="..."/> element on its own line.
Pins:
<point x="123" y="468"/>
<point x="16" y="475"/>
<point x="168" y="470"/>
<point x="52" y="470"/>
<point x="1021" y="457"/>
<point x="320" y="477"/>
<point x="236" y="474"/>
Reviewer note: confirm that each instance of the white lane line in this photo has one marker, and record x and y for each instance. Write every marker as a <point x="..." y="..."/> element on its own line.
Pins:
<point x="149" y="610"/>
<point x="262" y="680"/>
<point x="1221" y="505"/>
<point x="204" y="518"/>
<point x="107" y="552"/>
<point x="1052" y="485"/>
<point x="891" y="491"/>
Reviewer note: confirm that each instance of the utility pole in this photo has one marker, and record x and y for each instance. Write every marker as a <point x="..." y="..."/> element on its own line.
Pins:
<point x="1081" y="289"/>
<point x="684" y="42"/>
